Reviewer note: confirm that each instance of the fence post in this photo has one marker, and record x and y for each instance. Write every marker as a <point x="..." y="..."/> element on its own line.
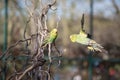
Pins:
<point x="5" y="38"/>
<point x="90" y="60"/>
<point x="5" y="25"/>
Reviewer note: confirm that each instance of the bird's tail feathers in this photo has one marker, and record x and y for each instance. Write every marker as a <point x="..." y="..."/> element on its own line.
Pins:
<point x="104" y="51"/>
<point x="98" y="45"/>
<point x="97" y="49"/>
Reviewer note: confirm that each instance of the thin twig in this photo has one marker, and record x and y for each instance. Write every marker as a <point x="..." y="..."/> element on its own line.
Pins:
<point x="59" y="54"/>
<point x="49" y="52"/>
<point x="12" y="46"/>
<point x="115" y="6"/>
<point x="27" y="70"/>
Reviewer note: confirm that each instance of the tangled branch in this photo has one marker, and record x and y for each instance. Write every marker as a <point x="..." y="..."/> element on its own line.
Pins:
<point x="33" y="45"/>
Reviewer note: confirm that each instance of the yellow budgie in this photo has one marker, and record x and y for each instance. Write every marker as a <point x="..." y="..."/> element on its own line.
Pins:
<point x="82" y="38"/>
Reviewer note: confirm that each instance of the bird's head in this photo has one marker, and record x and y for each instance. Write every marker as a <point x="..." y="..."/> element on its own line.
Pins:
<point x="73" y="37"/>
<point x="54" y="31"/>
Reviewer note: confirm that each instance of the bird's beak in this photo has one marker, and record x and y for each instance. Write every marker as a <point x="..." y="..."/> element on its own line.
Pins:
<point x="71" y="38"/>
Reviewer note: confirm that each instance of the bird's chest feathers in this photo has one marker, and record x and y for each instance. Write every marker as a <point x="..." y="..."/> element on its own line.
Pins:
<point x="82" y="40"/>
<point x="52" y="37"/>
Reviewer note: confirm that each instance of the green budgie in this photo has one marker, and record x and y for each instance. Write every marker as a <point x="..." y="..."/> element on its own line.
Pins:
<point x="82" y="38"/>
<point x="51" y="37"/>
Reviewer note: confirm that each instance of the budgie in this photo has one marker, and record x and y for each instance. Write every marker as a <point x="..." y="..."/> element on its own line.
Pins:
<point x="51" y="37"/>
<point x="82" y="38"/>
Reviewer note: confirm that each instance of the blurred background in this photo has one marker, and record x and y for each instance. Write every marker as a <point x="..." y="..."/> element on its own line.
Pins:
<point x="102" y="20"/>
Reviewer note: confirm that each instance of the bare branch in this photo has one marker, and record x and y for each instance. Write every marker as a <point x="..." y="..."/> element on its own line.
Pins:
<point x="33" y="44"/>
<point x="49" y="52"/>
<point x="27" y="70"/>
<point x="115" y="6"/>
<point x="12" y="46"/>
